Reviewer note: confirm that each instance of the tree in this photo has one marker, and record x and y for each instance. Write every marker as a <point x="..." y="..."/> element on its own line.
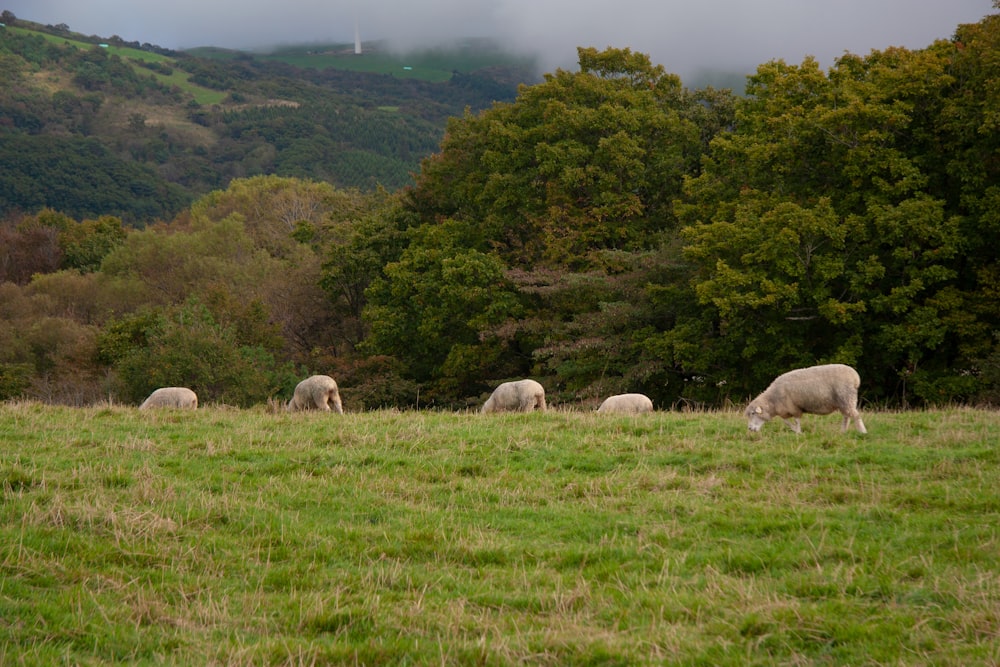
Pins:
<point x="585" y="161"/>
<point x="572" y="188"/>
<point x="186" y="345"/>
<point x="356" y="259"/>
<point x="174" y="265"/>
<point x="280" y="212"/>
<point x="813" y="234"/>
<point x="322" y="238"/>
<point x="585" y="331"/>
<point x="85" y="244"/>
<point x="27" y="249"/>
<point x="433" y="309"/>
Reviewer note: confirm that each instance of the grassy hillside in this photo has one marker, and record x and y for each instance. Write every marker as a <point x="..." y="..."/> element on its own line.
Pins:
<point x="184" y="124"/>
<point x="248" y="537"/>
<point x="435" y="65"/>
<point x="179" y="78"/>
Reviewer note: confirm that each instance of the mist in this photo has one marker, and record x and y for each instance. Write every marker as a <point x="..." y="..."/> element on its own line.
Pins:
<point x="684" y="36"/>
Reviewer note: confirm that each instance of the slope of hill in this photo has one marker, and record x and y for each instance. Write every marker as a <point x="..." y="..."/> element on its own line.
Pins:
<point x="163" y="127"/>
<point x="429" y="64"/>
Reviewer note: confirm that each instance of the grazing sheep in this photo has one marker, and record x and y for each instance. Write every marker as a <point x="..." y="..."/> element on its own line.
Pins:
<point x="517" y="396"/>
<point x="817" y="390"/>
<point x="171" y="397"/>
<point x="632" y="404"/>
<point x="318" y="392"/>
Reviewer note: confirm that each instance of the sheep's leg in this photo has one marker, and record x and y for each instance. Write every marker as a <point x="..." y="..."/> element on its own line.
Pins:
<point x="860" y="424"/>
<point x="856" y="416"/>
<point x="794" y="424"/>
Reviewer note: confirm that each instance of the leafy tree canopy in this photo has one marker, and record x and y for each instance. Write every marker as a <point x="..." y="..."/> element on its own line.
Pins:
<point x="816" y="229"/>
<point x="584" y="161"/>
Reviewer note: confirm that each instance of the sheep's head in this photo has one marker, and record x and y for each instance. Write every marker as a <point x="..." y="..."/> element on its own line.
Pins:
<point x="757" y="416"/>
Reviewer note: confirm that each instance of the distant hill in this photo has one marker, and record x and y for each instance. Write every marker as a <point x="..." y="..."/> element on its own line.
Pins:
<point x="431" y="64"/>
<point x="92" y="125"/>
<point x="83" y="113"/>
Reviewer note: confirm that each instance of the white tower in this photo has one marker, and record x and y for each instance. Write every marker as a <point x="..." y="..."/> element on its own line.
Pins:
<point x="357" y="37"/>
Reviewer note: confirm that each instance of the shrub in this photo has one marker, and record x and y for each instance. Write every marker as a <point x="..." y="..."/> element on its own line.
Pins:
<point x="14" y="380"/>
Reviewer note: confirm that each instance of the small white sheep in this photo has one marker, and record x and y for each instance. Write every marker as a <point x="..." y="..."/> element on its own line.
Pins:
<point x="171" y="397"/>
<point x="317" y="392"/>
<point x="516" y="396"/>
<point x="632" y="404"/>
<point x="817" y="390"/>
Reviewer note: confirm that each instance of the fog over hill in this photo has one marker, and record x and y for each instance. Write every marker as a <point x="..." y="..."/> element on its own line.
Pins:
<point x="686" y="37"/>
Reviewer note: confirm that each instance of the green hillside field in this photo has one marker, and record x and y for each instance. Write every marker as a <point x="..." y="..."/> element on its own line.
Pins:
<point x="434" y="65"/>
<point x="178" y="77"/>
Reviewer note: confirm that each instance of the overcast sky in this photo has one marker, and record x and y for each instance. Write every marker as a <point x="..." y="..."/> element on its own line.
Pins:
<point x="685" y="36"/>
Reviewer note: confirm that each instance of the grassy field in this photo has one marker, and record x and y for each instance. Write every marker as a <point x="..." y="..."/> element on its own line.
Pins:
<point x="232" y="537"/>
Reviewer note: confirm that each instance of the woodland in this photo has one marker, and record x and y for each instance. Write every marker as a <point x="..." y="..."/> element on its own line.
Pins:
<point x="605" y="230"/>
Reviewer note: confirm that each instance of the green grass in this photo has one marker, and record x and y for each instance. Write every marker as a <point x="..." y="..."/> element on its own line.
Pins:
<point x="434" y="65"/>
<point x="179" y="78"/>
<point x="245" y="537"/>
<point x="373" y="63"/>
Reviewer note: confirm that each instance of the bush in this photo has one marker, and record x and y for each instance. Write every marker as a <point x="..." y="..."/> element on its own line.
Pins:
<point x="14" y="380"/>
<point x="186" y="346"/>
<point x="375" y="382"/>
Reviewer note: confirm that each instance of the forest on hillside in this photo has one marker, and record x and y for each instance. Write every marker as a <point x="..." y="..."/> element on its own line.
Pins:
<point x="607" y="230"/>
<point x="90" y="131"/>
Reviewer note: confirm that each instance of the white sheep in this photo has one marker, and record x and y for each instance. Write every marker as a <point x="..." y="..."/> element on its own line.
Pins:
<point x="632" y="404"/>
<point x="171" y="397"/>
<point x="516" y="396"/>
<point x="317" y="392"/>
<point x="817" y="390"/>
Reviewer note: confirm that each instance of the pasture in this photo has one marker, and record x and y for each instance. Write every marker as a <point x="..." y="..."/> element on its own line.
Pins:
<point x="434" y="65"/>
<point x="232" y="537"/>
<point x="176" y="77"/>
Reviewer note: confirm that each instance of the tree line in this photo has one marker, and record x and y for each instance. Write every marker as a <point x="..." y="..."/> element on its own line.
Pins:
<point x="608" y="230"/>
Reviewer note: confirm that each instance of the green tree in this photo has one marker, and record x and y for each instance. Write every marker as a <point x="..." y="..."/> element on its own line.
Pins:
<point x="175" y="264"/>
<point x="320" y="237"/>
<point x="572" y="186"/>
<point x="432" y="310"/>
<point x="812" y="232"/>
<point x="280" y="212"/>
<point x="357" y="258"/>
<point x="584" y="161"/>
<point x="85" y="244"/>
<point x="585" y="330"/>
<point x="186" y="345"/>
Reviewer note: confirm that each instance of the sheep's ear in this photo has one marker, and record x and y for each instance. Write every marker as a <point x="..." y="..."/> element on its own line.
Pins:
<point x="758" y="410"/>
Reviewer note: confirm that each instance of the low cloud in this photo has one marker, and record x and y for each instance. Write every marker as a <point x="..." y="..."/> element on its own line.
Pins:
<point x="682" y="35"/>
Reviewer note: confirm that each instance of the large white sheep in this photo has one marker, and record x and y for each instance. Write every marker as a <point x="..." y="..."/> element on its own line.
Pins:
<point x="817" y="390"/>
<point x="632" y="404"/>
<point x="171" y="397"/>
<point x="317" y="392"/>
<point x="516" y="396"/>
